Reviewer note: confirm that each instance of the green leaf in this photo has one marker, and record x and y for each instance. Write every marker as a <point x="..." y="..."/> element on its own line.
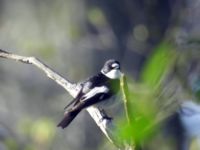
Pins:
<point x="158" y="64"/>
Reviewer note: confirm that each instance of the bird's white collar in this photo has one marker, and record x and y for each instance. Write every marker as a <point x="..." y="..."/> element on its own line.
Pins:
<point x="113" y="74"/>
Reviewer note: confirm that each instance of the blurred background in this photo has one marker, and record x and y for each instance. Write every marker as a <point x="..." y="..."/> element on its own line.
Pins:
<point x="157" y="43"/>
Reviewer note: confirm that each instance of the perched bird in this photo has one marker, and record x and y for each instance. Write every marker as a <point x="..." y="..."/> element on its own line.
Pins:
<point x="98" y="90"/>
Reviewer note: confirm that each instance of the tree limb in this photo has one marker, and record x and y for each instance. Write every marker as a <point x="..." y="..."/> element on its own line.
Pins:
<point x="67" y="85"/>
<point x="106" y="125"/>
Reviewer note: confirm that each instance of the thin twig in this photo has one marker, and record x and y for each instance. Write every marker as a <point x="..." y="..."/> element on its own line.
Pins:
<point x="127" y="107"/>
<point x="125" y="94"/>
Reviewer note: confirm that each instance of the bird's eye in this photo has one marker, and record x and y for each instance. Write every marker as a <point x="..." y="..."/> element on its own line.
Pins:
<point x="115" y="65"/>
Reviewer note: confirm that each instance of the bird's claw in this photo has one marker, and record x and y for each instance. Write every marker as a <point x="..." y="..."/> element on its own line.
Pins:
<point x="106" y="118"/>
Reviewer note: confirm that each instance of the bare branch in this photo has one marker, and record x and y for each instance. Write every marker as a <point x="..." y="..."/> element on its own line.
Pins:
<point x="105" y="125"/>
<point x="67" y="85"/>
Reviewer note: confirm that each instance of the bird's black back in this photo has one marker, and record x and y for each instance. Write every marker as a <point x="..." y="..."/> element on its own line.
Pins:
<point x="97" y="81"/>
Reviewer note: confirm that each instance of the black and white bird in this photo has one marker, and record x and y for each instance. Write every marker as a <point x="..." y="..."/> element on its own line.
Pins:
<point x="96" y="90"/>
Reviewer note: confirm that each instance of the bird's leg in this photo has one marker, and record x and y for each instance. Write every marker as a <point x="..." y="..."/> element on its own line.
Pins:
<point x="104" y="115"/>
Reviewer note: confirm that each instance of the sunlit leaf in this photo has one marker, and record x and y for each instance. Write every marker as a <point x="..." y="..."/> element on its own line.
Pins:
<point x="158" y="64"/>
<point x="139" y="122"/>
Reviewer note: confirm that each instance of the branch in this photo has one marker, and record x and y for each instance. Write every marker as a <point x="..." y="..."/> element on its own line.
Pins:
<point x="106" y="125"/>
<point x="67" y="85"/>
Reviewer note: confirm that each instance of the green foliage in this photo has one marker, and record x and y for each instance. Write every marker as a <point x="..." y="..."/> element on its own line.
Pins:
<point x="141" y="98"/>
<point x="142" y="119"/>
<point x="158" y="64"/>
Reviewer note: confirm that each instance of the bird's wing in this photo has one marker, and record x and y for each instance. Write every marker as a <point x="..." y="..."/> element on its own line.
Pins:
<point x="91" y="99"/>
<point x="71" y="102"/>
<point x="75" y="100"/>
<point x="85" y="88"/>
<point x="93" y="92"/>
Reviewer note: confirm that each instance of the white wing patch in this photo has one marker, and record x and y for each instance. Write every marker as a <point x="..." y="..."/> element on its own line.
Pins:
<point x="95" y="91"/>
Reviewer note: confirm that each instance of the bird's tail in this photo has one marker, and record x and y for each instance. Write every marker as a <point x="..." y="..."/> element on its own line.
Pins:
<point x="69" y="116"/>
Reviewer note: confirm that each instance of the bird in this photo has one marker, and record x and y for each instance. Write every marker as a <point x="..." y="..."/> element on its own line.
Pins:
<point x="99" y="90"/>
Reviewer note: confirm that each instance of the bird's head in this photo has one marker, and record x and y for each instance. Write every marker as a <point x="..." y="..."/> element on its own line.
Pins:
<point x="111" y="69"/>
